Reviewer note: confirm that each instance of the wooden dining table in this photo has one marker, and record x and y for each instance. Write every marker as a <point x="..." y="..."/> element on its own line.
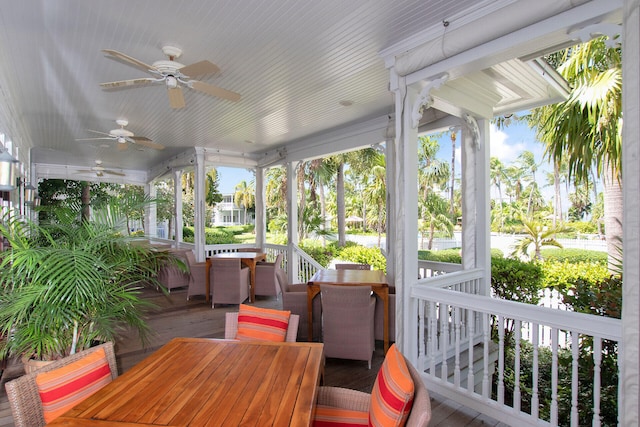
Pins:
<point x="208" y="382"/>
<point x="374" y="278"/>
<point x="250" y="259"/>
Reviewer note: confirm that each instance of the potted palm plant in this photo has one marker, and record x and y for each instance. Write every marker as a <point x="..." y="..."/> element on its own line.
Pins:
<point x="67" y="283"/>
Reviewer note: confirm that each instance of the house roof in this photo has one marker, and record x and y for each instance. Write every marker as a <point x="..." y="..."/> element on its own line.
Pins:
<point x="302" y="69"/>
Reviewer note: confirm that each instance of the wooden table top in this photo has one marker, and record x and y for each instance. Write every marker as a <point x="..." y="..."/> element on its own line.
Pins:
<point x="249" y="255"/>
<point x="207" y="382"/>
<point x="349" y="277"/>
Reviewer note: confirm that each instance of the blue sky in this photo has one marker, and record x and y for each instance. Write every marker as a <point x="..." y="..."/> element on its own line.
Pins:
<point x="506" y="144"/>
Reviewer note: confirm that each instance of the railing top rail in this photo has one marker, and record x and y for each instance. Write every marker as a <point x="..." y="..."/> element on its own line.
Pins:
<point x="440" y="266"/>
<point x="452" y="278"/>
<point x="588" y="324"/>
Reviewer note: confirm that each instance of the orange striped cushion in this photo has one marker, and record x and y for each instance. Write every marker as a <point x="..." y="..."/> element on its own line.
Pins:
<point x="328" y="416"/>
<point x="262" y="324"/>
<point x="63" y="388"/>
<point x="392" y="394"/>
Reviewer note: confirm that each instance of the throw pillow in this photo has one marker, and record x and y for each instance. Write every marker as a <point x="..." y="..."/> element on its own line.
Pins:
<point x="63" y="388"/>
<point x="392" y="394"/>
<point x="328" y="416"/>
<point x="262" y="324"/>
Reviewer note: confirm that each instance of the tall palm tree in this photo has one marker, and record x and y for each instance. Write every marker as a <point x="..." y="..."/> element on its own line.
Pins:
<point x="436" y="217"/>
<point x="586" y="128"/>
<point x="245" y="196"/>
<point x="376" y="194"/>
<point x="498" y="175"/>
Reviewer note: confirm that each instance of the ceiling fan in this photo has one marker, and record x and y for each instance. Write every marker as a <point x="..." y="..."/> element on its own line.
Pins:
<point x="173" y="74"/>
<point x="122" y="136"/>
<point x="100" y="171"/>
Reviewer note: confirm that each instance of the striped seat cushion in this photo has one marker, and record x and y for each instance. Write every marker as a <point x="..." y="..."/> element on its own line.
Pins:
<point x="329" y="416"/>
<point x="392" y="394"/>
<point x="262" y="324"/>
<point x="63" y="388"/>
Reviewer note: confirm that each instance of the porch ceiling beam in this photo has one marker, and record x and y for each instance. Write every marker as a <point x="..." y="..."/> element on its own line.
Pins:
<point x="534" y="40"/>
<point x="454" y="102"/>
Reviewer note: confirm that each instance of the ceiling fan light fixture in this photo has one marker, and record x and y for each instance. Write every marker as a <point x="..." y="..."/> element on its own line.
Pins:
<point x="121" y="140"/>
<point x="172" y="82"/>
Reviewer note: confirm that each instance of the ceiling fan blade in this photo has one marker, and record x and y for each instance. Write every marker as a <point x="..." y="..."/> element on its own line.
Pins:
<point x="214" y="91"/>
<point x="146" y="142"/>
<point x="176" y="98"/>
<point x="199" y="69"/>
<point x="110" y="172"/>
<point x="100" y="133"/>
<point x="120" y="84"/>
<point x="126" y="59"/>
<point x="94" y="139"/>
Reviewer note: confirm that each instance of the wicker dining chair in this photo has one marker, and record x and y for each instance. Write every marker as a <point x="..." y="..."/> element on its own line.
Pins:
<point x="348" y="322"/>
<point x="231" y="326"/>
<point x="23" y="395"/>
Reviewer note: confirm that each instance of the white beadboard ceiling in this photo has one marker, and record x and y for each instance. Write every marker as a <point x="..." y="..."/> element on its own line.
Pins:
<point x="292" y="61"/>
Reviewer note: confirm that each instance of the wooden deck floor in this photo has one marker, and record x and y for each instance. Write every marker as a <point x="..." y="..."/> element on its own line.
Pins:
<point x="177" y="317"/>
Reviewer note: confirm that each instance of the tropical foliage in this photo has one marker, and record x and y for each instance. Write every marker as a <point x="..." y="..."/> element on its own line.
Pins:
<point x="67" y="282"/>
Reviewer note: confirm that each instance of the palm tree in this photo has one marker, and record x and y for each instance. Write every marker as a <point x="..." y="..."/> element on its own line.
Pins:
<point x="376" y="194"/>
<point x="498" y="175"/>
<point x="528" y="165"/>
<point x="436" y="218"/>
<point x="585" y="130"/>
<point x="538" y="235"/>
<point x="245" y="196"/>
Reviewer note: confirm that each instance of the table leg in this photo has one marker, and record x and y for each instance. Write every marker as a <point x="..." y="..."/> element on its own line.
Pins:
<point x="252" y="281"/>
<point x="383" y="294"/>
<point x="312" y="291"/>
<point x="207" y="296"/>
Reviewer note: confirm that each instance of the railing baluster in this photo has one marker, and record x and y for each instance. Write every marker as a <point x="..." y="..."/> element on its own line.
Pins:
<point x="500" y="360"/>
<point x="485" y="356"/>
<point x="516" y="369"/>
<point x="471" y="335"/>
<point x="456" y="367"/>
<point x="444" y="340"/>
<point x="574" y="378"/>
<point x="554" y="376"/>
<point x="421" y="330"/>
<point x="535" y="398"/>
<point x="433" y="330"/>
<point x="597" y="368"/>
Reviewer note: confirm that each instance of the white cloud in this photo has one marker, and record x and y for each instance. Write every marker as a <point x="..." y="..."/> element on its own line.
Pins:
<point x="504" y="150"/>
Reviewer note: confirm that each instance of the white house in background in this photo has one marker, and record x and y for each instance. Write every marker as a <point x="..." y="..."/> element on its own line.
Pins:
<point x="228" y="213"/>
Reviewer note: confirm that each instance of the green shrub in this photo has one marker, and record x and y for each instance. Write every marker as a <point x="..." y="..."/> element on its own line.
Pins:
<point x="362" y="255"/>
<point x="450" y="255"/>
<point x="565" y="274"/>
<point x="322" y="255"/>
<point x="516" y="280"/>
<point x="574" y="255"/>
<point x="445" y="255"/>
<point x="219" y="236"/>
<point x="187" y="232"/>
<point x="583" y="227"/>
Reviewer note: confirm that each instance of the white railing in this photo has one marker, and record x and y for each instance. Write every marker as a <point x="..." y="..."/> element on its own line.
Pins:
<point x="435" y="268"/>
<point x="505" y="376"/>
<point x="307" y="266"/>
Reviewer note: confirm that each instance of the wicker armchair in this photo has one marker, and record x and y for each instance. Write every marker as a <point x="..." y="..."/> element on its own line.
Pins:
<point x="266" y="281"/>
<point x="354" y="400"/>
<point x="231" y="326"/>
<point x="353" y="267"/>
<point x="348" y="322"/>
<point x="171" y="276"/>
<point x="229" y="281"/>
<point x="294" y="299"/>
<point x="23" y="394"/>
<point x="197" y="276"/>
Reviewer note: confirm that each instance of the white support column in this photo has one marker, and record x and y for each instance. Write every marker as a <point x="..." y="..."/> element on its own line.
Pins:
<point x="483" y="204"/>
<point x="292" y="224"/>
<point x="199" y="199"/>
<point x="629" y="391"/>
<point x="151" y="212"/>
<point x="177" y="202"/>
<point x="405" y="216"/>
<point x="260" y="225"/>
